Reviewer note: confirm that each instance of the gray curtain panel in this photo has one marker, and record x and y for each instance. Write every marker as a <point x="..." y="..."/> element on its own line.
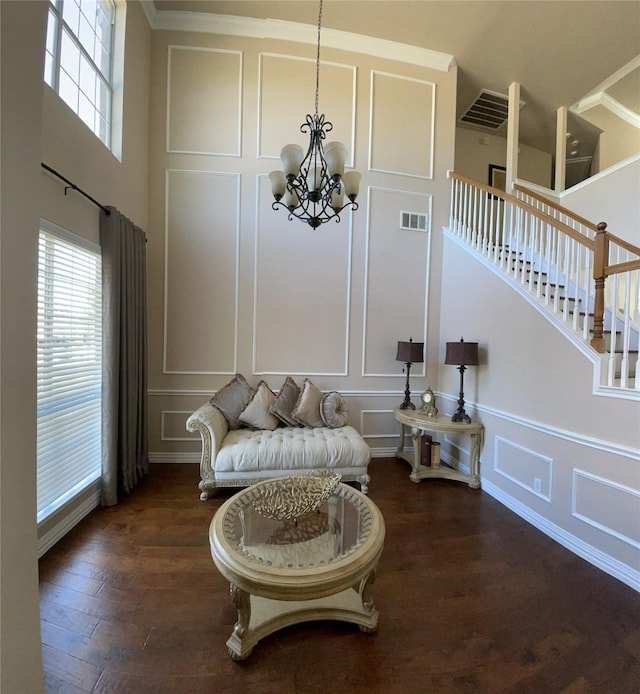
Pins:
<point x="125" y="458"/>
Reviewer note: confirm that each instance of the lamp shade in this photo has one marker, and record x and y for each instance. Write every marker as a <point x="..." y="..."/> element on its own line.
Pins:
<point x="351" y="182"/>
<point x="410" y="352"/>
<point x="335" y="153"/>
<point x="462" y="353"/>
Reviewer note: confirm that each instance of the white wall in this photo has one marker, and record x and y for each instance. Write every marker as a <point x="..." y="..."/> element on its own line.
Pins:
<point x="611" y="197"/>
<point x="533" y="393"/>
<point x="22" y="28"/>
<point x="475" y="150"/>
<point x="234" y="286"/>
<point x="37" y="126"/>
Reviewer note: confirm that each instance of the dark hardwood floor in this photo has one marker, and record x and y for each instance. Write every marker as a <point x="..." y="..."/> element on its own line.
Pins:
<point x="471" y="599"/>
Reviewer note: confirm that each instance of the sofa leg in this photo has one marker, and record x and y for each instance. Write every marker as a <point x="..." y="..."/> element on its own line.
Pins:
<point x="364" y="483"/>
<point x="207" y="489"/>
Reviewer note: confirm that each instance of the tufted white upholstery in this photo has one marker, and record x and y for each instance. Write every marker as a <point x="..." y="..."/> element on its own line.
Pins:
<point x="240" y="457"/>
<point x="289" y="448"/>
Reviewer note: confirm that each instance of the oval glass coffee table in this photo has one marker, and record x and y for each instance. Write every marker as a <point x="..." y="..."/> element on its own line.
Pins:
<point x="283" y="572"/>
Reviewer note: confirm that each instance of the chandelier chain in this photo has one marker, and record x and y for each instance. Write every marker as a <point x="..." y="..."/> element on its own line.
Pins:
<point x="314" y="187"/>
<point x="318" y="56"/>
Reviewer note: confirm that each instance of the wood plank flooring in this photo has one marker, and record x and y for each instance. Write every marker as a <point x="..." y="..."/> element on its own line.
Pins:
<point x="471" y="599"/>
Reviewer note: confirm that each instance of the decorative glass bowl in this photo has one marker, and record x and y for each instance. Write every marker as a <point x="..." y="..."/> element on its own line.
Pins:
<point x="291" y="497"/>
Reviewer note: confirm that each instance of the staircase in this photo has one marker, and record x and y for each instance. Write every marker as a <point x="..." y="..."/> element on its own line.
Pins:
<point x="585" y="280"/>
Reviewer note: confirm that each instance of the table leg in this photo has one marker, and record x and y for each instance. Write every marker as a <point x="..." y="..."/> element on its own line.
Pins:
<point x="242" y="603"/>
<point x="415" y="465"/>
<point x="401" y="443"/>
<point x="367" y="602"/>
<point x="474" y="460"/>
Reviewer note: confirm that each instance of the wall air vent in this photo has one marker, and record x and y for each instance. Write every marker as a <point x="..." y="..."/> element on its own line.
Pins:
<point x="489" y="110"/>
<point x="414" y="221"/>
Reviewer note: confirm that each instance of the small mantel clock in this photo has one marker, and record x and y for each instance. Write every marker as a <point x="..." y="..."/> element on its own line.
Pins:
<point x="428" y="406"/>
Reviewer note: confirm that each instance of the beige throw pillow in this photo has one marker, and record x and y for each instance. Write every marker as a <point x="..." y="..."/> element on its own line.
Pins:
<point x="285" y="401"/>
<point x="333" y="410"/>
<point x="232" y="399"/>
<point x="307" y="409"/>
<point x="256" y="414"/>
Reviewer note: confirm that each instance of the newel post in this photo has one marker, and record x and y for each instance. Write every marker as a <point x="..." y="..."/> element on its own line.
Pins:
<point x="600" y="260"/>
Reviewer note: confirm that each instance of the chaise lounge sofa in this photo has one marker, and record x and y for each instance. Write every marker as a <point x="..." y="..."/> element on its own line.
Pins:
<point x="248" y="435"/>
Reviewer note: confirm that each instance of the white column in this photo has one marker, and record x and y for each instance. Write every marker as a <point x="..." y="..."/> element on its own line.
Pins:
<point x="513" y="132"/>
<point x="561" y="149"/>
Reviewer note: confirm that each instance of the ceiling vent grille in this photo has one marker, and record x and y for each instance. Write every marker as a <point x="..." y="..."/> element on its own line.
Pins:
<point x="490" y="110"/>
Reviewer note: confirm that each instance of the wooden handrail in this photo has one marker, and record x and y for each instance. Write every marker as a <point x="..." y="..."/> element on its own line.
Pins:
<point x="600" y="245"/>
<point x="581" y="220"/>
<point x="548" y="219"/>
<point x="622" y="267"/>
<point x="624" y="244"/>
<point x="556" y="206"/>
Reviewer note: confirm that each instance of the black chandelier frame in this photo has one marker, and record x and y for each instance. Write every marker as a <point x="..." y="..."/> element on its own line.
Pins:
<point x="315" y="205"/>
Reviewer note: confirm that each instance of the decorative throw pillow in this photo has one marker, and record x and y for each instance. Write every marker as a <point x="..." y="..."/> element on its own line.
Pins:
<point x="333" y="410"/>
<point x="232" y="399"/>
<point x="307" y="409"/>
<point x="256" y="414"/>
<point x="285" y="401"/>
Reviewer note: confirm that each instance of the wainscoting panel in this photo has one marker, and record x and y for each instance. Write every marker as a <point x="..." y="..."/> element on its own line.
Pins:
<point x="204" y="101"/>
<point x="378" y="424"/>
<point x="528" y="469"/>
<point x="173" y="426"/>
<point x="287" y="94"/>
<point x="608" y="506"/>
<point x="395" y="300"/>
<point x="201" y="272"/>
<point x="303" y="330"/>
<point x="402" y="118"/>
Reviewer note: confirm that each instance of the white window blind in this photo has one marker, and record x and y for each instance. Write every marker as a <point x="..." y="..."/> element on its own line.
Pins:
<point x="69" y="368"/>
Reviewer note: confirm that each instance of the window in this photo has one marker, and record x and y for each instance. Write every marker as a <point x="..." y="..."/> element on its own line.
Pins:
<point x="79" y="59"/>
<point x="69" y="373"/>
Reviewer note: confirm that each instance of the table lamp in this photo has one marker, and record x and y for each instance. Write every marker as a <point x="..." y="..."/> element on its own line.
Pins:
<point x="462" y="354"/>
<point x="410" y="353"/>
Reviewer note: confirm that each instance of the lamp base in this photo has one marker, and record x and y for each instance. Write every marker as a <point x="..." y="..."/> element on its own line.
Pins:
<point x="406" y="403"/>
<point x="460" y="415"/>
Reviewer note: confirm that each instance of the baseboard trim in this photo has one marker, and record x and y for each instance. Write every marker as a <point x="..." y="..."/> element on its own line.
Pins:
<point x="193" y="457"/>
<point x="67" y="523"/>
<point x="599" y="559"/>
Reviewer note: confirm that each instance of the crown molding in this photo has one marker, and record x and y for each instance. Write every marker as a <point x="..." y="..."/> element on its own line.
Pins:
<point x="611" y="104"/>
<point x="280" y="30"/>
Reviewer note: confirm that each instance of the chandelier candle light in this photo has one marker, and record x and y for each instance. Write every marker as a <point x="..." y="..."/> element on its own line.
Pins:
<point x="313" y="186"/>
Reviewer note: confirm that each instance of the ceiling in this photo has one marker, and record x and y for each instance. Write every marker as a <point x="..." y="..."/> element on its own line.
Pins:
<point x="559" y="51"/>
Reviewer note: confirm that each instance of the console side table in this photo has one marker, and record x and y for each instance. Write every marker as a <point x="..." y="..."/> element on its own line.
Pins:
<point x="441" y="424"/>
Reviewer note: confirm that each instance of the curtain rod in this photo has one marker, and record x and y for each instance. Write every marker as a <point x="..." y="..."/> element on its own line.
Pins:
<point x="73" y="186"/>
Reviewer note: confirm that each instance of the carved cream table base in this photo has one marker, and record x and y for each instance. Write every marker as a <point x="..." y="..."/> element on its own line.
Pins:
<point x="319" y="567"/>
<point x="441" y="424"/>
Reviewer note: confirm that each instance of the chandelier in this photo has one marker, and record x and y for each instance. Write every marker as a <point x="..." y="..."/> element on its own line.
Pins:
<point x="314" y="187"/>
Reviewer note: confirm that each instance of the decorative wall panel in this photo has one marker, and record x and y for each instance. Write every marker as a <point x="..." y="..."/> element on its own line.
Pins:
<point x="204" y="101"/>
<point x="201" y="272"/>
<point x="402" y="116"/>
<point x="380" y="424"/>
<point x="608" y="506"/>
<point x="396" y="281"/>
<point x="287" y="95"/>
<point x="172" y="426"/>
<point x="528" y="469"/>
<point x="302" y="293"/>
